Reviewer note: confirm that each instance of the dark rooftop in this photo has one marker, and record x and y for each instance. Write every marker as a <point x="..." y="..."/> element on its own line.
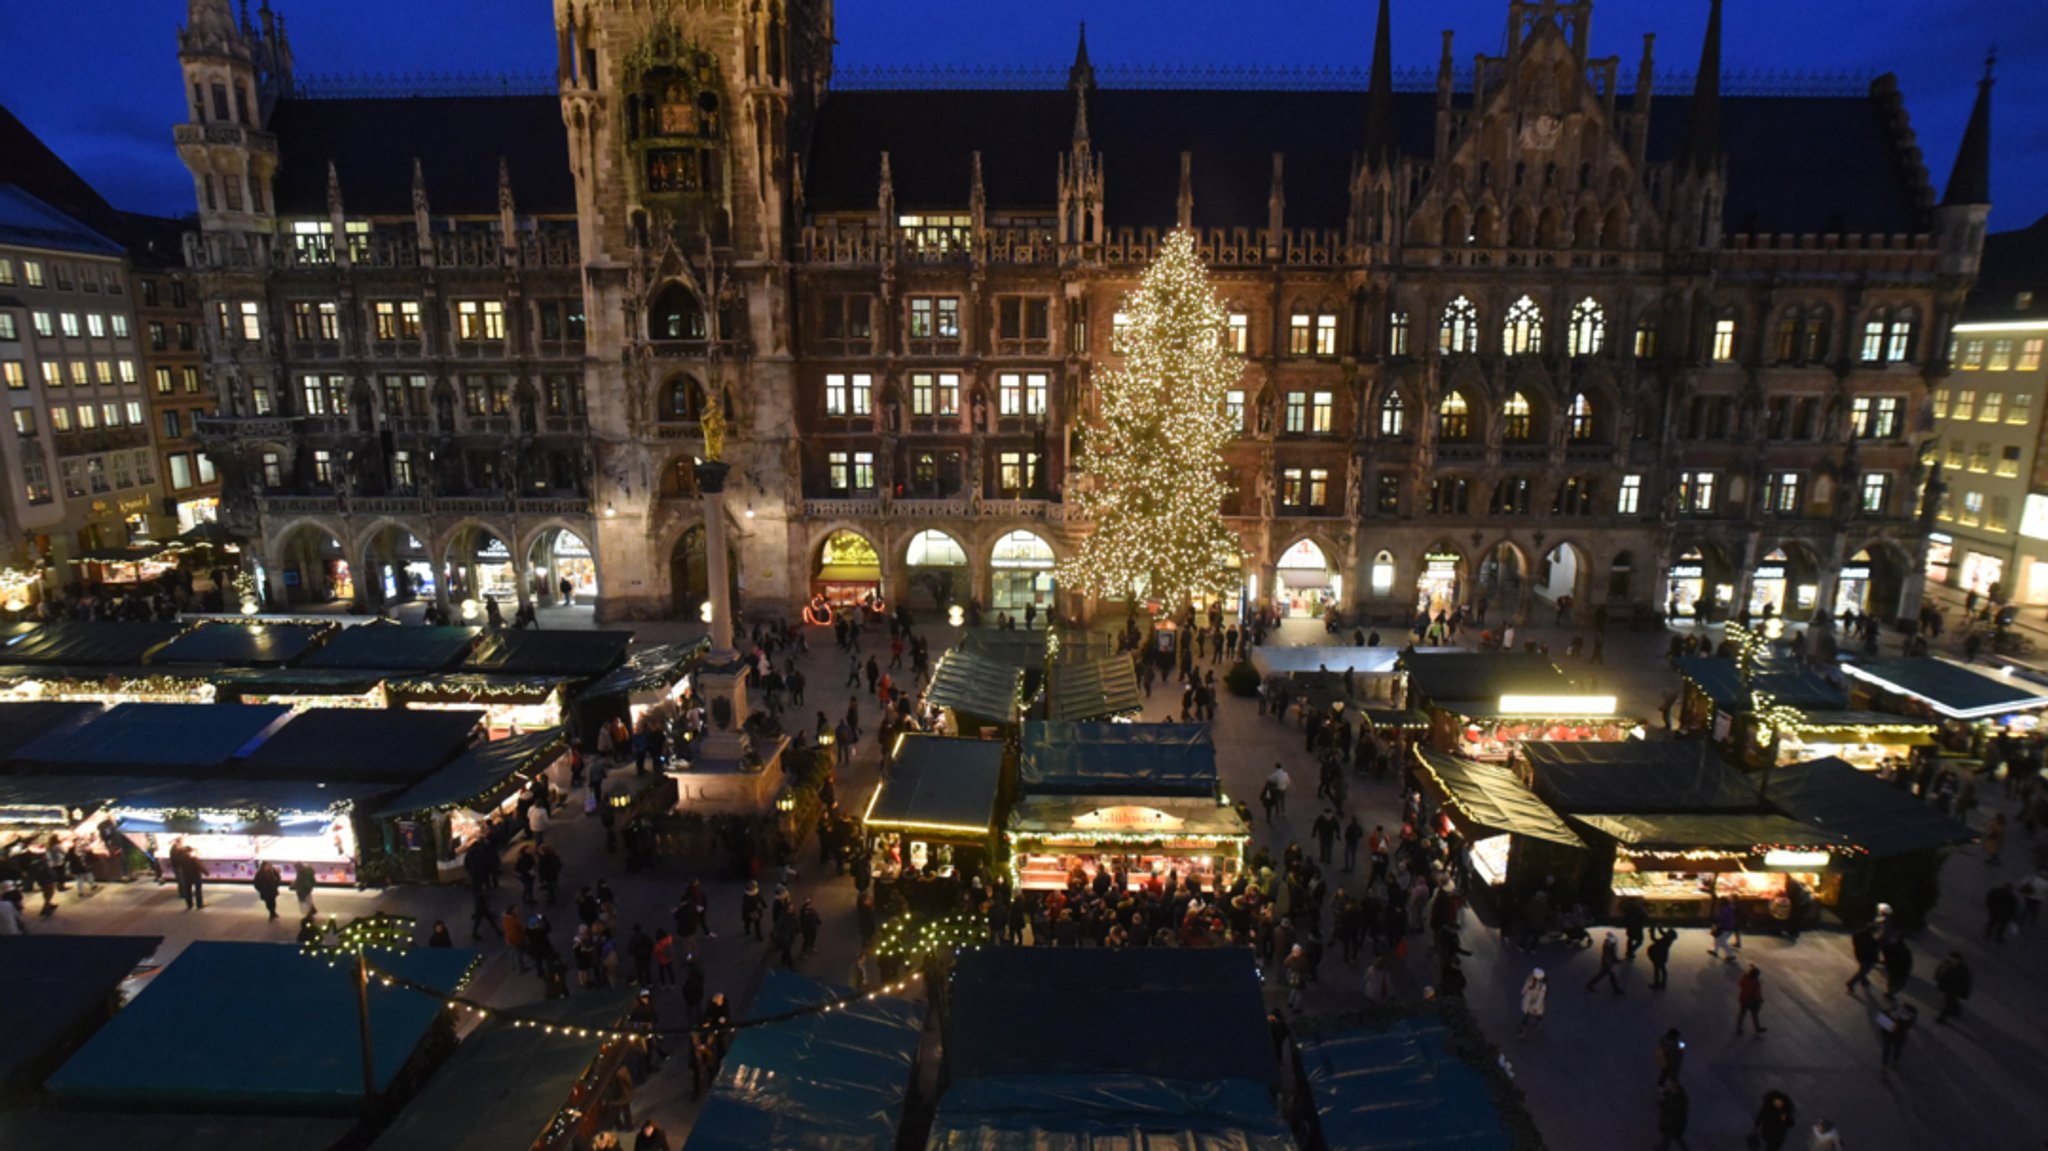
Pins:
<point x="458" y="141"/>
<point x="148" y="738"/>
<point x="394" y="648"/>
<point x="392" y="745"/>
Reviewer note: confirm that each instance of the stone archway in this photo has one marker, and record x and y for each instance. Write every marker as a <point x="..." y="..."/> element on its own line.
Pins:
<point x="689" y="578"/>
<point x="562" y="567"/>
<point x="310" y="566"/>
<point x="939" y="570"/>
<point x="397" y="565"/>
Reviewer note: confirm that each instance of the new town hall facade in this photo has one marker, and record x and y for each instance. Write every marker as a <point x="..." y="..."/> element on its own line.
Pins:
<point x="1541" y="329"/>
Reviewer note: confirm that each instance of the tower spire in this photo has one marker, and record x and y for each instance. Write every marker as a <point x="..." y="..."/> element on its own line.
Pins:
<point x="1379" y="97"/>
<point x="1969" y="182"/>
<point x="1703" y="127"/>
<point x="1082" y="74"/>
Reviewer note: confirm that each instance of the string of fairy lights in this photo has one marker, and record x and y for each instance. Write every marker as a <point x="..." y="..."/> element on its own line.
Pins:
<point x="1155" y="462"/>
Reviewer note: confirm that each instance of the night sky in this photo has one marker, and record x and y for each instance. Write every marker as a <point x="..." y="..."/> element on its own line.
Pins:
<point x="99" y="81"/>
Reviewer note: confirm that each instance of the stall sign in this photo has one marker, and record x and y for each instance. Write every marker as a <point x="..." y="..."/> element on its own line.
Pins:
<point x="1441" y="561"/>
<point x="495" y="550"/>
<point x="1771" y="571"/>
<point x="1687" y="571"/>
<point x="1129" y="818"/>
<point x="1858" y="571"/>
<point x="1796" y="860"/>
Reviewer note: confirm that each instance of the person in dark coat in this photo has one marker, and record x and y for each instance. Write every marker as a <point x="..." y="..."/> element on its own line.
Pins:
<point x="1661" y="939"/>
<point x="1673" y="1114"/>
<point x="1952" y="977"/>
<point x="651" y="1137"/>
<point x="1774" y="1121"/>
<point x="302" y="887"/>
<point x="268" y="882"/>
<point x="1898" y="965"/>
<point x="808" y="921"/>
<point x="1863" y="944"/>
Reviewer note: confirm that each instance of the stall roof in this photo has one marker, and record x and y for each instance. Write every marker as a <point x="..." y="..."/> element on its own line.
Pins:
<point x="383" y="745"/>
<point x="1095" y="688"/>
<point x="505" y="1083"/>
<point x="976" y="684"/>
<point x="1637" y="775"/>
<point x="91" y="643"/>
<point x="650" y="668"/>
<point x="1492" y="797"/>
<point x="24" y="723"/>
<point x="1399" y="1087"/>
<point x="579" y="654"/>
<point x="1010" y="647"/>
<point x="1951" y="689"/>
<point x="227" y="642"/>
<point x="481" y="770"/>
<point x="834" y="1079"/>
<point x="53" y="983"/>
<point x="172" y="1131"/>
<point x="1107" y="1113"/>
<point x="1721" y="680"/>
<point x="1877" y="722"/>
<point x="1117" y="759"/>
<point x="395" y="648"/>
<point x="72" y="792"/>
<point x="258" y="1026"/>
<point x="939" y="782"/>
<point x="1273" y="660"/>
<point x="1449" y="679"/>
<point x="149" y="738"/>
<point x="294" y="680"/>
<point x="1190" y="1014"/>
<point x="1832" y="795"/>
<point x="1725" y="832"/>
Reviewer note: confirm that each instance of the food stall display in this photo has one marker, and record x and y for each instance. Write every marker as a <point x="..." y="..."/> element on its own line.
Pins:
<point x="1481" y="704"/>
<point x="34" y="808"/>
<point x="103" y="685"/>
<point x="1514" y="840"/>
<point x="1866" y="740"/>
<point x="1903" y="839"/>
<point x="429" y="827"/>
<point x="933" y="814"/>
<point x="1056" y="839"/>
<point x="511" y="704"/>
<point x="235" y="825"/>
<point x="1679" y="865"/>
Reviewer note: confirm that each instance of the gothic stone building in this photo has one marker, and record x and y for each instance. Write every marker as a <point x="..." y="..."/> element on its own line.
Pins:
<point x="1530" y="333"/>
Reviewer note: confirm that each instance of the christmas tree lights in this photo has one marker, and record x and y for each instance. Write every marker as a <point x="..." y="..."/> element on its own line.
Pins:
<point x="1156" y="457"/>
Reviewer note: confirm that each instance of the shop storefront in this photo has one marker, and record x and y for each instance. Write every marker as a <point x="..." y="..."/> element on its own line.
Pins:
<point x="1436" y="587"/>
<point x="234" y="826"/>
<point x="1680" y="866"/>
<point x="1304" y="583"/>
<point x="849" y="571"/>
<point x="1979" y="571"/>
<point x="1688" y="583"/>
<point x="493" y="569"/>
<point x="1941" y="551"/>
<point x="1056" y="841"/>
<point x="1852" y="588"/>
<point x="1021" y="573"/>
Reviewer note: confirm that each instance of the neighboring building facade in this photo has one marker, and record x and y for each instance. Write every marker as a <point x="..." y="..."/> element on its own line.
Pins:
<point x="1516" y="338"/>
<point x="82" y="476"/>
<point x="1991" y="534"/>
<point x="168" y="316"/>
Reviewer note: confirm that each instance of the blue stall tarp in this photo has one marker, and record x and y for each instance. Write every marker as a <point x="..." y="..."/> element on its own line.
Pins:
<point x="151" y="738"/>
<point x="1117" y="759"/>
<point x="834" y="1080"/>
<point x="258" y="1026"/>
<point x="1098" y="1112"/>
<point x="54" y="983"/>
<point x="1399" y="1089"/>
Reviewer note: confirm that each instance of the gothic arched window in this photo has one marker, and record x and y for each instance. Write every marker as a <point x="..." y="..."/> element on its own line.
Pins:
<point x="1454" y="418"/>
<point x="1517" y="419"/>
<point x="1393" y="416"/>
<point x="1459" y="333"/>
<point x="1522" y="333"/>
<point x="1589" y="328"/>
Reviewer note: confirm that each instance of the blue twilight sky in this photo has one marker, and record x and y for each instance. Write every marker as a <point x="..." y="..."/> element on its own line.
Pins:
<point x="98" y="79"/>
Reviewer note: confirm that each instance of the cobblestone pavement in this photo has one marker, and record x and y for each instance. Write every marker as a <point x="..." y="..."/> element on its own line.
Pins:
<point x="1588" y="1075"/>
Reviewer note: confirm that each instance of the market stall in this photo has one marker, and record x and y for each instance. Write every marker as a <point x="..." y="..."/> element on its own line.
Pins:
<point x="1715" y="698"/>
<point x="1481" y="704"/>
<point x="1903" y="840"/>
<point x="1403" y="1084"/>
<point x="1970" y="703"/>
<point x="1677" y="775"/>
<point x="239" y="644"/>
<point x="1375" y="671"/>
<point x="188" y="741"/>
<point x="933" y="814"/>
<point x="70" y="808"/>
<point x="1056" y="840"/>
<point x="651" y="677"/>
<point x="391" y="746"/>
<point x="978" y="694"/>
<point x="559" y="652"/>
<point x="89" y="643"/>
<point x="511" y="703"/>
<point x="106" y="685"/>
<point x="60" y="989"/>
<point x="1514" y="841"/>
<point x="1680" y="865"/>
<point x="233" y="826"/>
<point x="1867" y="740"/>
<point x="300" y="688"/>
<point x="395" y="649"/>
<point x="1102" y="688"/>
<point x="550" y="1087"/>
<point x="260" y="1027"/>
<point x="429" y="827"/>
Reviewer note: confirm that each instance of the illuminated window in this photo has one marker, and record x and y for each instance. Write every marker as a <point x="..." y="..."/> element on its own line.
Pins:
<point x="96" y="326"/>
<point x="1993" y="407"/>
<point x="1628" y="501"/>
<point x="2022" y="409"/>
<point x="1458" y="334"/>
<point x="1322" y="410"/>
<point x="1724" y="339"/>
<point x="1589" y="328"/>
<point x="1291" y="487"/>
<point x="1877" y="418"/>
<point x="12" y="374"/>
<point x="1973" y="355"/>
<point x="935" y="394"/>
<point x="849" y="395"/>
<point x="1397" y="333"/>
<point x="1119" y="333"/>
<point x="1696" y="492"/>
<point x="1940" y="403"/>
<point x="479" y="320"/>
<point x="316" y="320"/>
<point x="1022" y="393"/>
<point x="1900" y="338"/>
<point x="1326" y="334"/>
<point x="252" y="321"/>
<point x="1517" y="423"/>
<point x="1580" y="417"/>
<point x="2030" y="355"/>
<point x="1454" y="418"/>
<point x="1877" y="494"/>
<point x="396" y="319"/>
<point x="1301" y="334"/>
<point x="1998" y="356"/>
<point x="1393" y="416"/>
<point x="323" y="467"/>
<point x="1522" y="334"/>
<point x="1781" y="494"/>
<point x="1966" y="406"/>
<point x="1297" y="412"/>
<point x="1237" y="333"/>
<point x="1318" y="487"/>
<point x="1233" y="409"/>
<point x="68" y="321"/>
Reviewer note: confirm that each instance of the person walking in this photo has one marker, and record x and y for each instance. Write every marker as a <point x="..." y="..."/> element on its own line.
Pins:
<point x="1774" y="1121"/>
<point x="1895" y="1022"/>
<point x="1898" y="964"/>
<point x="1354" y="832"/>
<point x="1826" y="1137"/>
<point x="808" y="922"/>
<point x="1535" y="1000"/>
<point x="302" y="888"/>
<point x="1325" y="830"/>
<point x="1659" y="951"/>
<point x="1994" y="839"/>
<point x="2001" y="908"/>
<point x="1952" y="977"/>
<point x="1749" y="1000"/>
<point x="481" y="916"/>
<point x="267" y="883"/>
<point x="1673" y="1114"/>
<point x="1279" y="779"/>
<point x="751" y="907"/>
<point x="1863" y="945"/>
<point x="1727" y="939"/>
<point x="1670" y="1057"/>
<point x="665" y="959"/>
<point x="512" y="929"/>
<point x="1610" y="958"/>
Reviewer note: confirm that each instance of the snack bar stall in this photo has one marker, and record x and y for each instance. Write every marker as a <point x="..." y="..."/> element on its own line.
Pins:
<point x="651" y="677"/>
<point x="1867" y="740"/>
<point x="934" y="812"/>
<point x="1969" y="702"/>
<point x="1481" y="704"/>
<point x="1903" y="840"/>
<point x="978" y="694"/>
<point x="427" y="829"/>
<point x="1514" y="841"/>
<point x="1715" y="699"/>
<point x="1140" y="796"/>
<point x="1679" y="865"/>
<point x="510" y="703"/>
<point x="235" y="825"/>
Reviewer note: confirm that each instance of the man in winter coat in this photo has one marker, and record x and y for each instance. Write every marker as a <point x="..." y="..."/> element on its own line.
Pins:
<point x="1863" y="944"/>
<point x="1670" y="1057"/>
<point x="1610" y="958"/>
<point x="1952" y="977"/>
<point x="1673" y="1113"/>
<point x="268" y="882"/>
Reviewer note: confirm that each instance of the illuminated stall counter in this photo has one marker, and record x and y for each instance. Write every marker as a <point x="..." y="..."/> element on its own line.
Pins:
<point x="934" y="813"/>
<point x="1055" y="838"/>
<point x="1678" y="865"/>
<point x="233" y="826"/>
<point x="650" y="678"/>
<point x="510" y="703"/>
<point x="429" y="827"/>
<point x="1481" y="704"/>
<point x="1866" y="740"/>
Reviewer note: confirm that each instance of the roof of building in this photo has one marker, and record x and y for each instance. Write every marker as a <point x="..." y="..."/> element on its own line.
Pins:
<point x="1397" y="1087"/>
<point x="91" y="643"/>
<point x="1721" y="680"/>
<point x="258" y="1026"/>
<point x="54" y="983"/>
<point x="153" y="738"/>
<point x="506" y="1083"/>
<point x="1686" y="832"/>
<point x="825" y="1079"/>
<point x="1188" y="1014"/>
<point x="25" y="722"/>
<point x="30" y="223"/>
<point x="27" y="162"/>
<point x="977" y="685"/>
<point x="1095" y="688"/>
<point x="1636" y="775"/>
<point x="1060" y="758"/>
<point x="395" y="648"/>
<point x="939" y="782"/>
<point x="1955" y="690"/>
<point x="226" y="641"/>
<point x="373" y="143"/>
<point x="2014" y="262"/>
<point x="1452" y="679"/>
<point x="1831" y="795"/>
<point x="388" y="745"/>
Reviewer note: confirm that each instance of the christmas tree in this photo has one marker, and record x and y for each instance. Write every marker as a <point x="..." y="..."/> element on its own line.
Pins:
<point x="1156" y="459"/>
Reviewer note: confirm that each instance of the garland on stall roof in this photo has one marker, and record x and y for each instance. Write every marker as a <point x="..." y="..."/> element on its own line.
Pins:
<point x="908" y="936"/>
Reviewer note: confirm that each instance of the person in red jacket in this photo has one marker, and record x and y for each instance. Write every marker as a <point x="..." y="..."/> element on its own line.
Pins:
<point x="1749" y="998"/>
